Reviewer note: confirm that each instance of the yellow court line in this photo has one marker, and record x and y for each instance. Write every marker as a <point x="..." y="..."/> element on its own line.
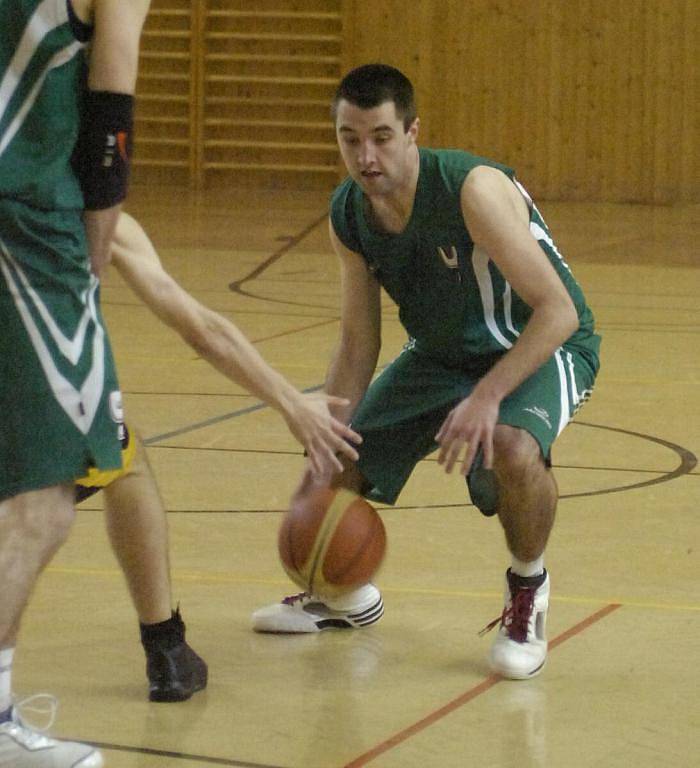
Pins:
<point x="223" y="578"/>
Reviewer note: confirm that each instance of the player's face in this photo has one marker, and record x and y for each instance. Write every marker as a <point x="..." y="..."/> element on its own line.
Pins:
<point x="378" y="152"/>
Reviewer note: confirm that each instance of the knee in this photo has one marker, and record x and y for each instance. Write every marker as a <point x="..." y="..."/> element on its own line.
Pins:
<point x="516" y="452"/>
<point x="41" y="522"/>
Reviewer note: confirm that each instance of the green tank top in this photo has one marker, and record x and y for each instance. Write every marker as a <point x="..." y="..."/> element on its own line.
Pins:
<point x="41" y="71"/>
<point x="454" y="303"/>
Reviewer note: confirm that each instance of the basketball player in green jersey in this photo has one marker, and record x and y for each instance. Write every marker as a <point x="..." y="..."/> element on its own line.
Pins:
<point x="501" y="349"/>
<point x="59" y="399"/>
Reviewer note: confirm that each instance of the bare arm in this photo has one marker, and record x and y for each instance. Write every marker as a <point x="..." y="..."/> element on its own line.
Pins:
<point x="222" y="344"/>
<point x="496" y="216"/>
<point x="355" y="358"/>
<point x="113" y="67"/>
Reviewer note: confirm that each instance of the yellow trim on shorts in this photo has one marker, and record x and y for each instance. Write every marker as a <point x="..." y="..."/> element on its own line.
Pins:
<point x="97" y="478"/>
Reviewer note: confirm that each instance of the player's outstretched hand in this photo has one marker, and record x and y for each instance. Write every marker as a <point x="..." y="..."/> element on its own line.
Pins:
<point x="468" y="426"/>
<point x="324" y="437"/>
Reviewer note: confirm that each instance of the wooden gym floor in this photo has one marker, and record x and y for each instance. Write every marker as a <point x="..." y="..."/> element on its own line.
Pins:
<point x="621" y="685"/>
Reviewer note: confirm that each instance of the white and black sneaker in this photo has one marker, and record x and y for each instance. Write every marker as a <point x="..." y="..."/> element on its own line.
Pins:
<point x="306" y="613"/>
<point x="520" y="649"/>
<point x="22" y="746"/>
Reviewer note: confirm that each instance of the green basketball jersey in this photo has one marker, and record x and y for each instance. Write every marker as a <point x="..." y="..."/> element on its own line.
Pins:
<point x="454" y="303"/>
<point x="41" y="65"/>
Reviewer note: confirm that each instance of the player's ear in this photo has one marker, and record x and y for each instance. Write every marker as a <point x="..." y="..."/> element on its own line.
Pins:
<point x="413" y="130"/>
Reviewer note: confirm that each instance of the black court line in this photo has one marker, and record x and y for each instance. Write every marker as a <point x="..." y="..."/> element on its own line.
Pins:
<point x="429" y="459"/>
<point x="215" y="420"/>
<point x="178" y="755"/>
<point x="237" y="285"/>
<point x="687" y="459"/>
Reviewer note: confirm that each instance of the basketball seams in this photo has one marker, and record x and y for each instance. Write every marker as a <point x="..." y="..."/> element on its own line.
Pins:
<point x="341" y="500"/>
<point x="366" y="548"/>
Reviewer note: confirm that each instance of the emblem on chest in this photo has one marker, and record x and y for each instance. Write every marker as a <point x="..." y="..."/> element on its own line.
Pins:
<point x="451" y="259"/>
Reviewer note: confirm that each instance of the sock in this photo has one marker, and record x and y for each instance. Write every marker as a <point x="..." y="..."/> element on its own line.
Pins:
<point x="6" y="655"/>
<point x="358" y="600"/>
<point x="533" y="568"/>
<point x="164" y="635"/>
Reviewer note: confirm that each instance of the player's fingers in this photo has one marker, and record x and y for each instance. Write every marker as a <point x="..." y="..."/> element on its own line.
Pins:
<point x="444" y="428"/>
<point x="468" y="459"/>
<point x="487" y="447"/>
<point x="347" y="450"/>
<point x="446" y="444"/>
<point x="337" y="464"/>
<point x="328" y="464"/>
<point x="333" y="400"/>
<point x="316" y="464"/>
<point x="345" y="431"/>
<point x="453" y="452"/>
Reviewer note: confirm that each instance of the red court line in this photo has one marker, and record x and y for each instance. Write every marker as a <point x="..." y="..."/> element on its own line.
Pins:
<point x="472" y="693"/>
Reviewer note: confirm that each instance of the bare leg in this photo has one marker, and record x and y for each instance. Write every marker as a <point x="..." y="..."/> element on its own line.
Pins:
<point x="33" y="526"/>
<point x="138" y="531"/>
<point x="527" y="492"/>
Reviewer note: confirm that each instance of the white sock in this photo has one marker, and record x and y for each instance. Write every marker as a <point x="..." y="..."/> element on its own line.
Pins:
<point x="533" y="568"/>
<point x="358" y="600"/>
<point x="6" y="655"/>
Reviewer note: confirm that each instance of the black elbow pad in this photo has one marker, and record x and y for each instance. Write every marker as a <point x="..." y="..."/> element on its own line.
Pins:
<point x="102" y="155"/>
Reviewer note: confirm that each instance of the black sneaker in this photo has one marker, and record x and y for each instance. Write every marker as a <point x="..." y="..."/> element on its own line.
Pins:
<point x="174" y="670"/>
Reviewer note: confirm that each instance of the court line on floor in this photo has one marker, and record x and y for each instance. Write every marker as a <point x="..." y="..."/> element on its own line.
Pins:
<point x="387" y="744"/>
<point x="469" y="695"/>
<point x="179" y="755"/>
<point x="688" y="460"/>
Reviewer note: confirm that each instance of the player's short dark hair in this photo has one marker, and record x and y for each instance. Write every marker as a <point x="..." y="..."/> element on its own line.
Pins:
<point x="370" y="85"/>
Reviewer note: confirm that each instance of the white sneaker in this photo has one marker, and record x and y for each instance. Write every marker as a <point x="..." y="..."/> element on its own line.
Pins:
<point x="520" y="649"/>
<point x="306" y="613"/>
<point x="25" y="747"/>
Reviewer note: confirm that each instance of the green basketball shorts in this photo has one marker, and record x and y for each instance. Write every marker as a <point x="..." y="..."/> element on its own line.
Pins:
<point x="59" y="397"/>
<point x="405" y="406"/>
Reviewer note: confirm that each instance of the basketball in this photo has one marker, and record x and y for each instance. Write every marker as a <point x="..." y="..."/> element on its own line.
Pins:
<point x="333" y="544"/>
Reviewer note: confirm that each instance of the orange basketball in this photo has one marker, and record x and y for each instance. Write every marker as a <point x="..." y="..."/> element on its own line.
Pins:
<point x="333" y="544"/>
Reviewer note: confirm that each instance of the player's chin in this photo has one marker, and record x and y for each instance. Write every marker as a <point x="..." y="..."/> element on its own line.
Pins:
<point x="372" y="182"/>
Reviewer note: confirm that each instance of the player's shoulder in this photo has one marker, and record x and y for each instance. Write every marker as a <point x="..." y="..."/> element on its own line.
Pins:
<point x="450" y="168"/>
<point x="342" y="193"/>
<point x="341" y="203"/>
<point x="343" y="216"/>
<point x="487" y="184"/>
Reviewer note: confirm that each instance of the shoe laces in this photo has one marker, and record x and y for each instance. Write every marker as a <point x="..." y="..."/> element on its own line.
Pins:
<point x="29" y="732"/>
<point x="298" y="598"/>
<point x="515" y="617"/>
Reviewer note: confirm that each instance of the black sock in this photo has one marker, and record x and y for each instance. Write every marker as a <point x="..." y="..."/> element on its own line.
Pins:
<point x="163" y="635"/>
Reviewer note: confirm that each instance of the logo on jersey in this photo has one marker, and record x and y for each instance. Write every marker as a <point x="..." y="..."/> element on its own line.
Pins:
<point x="116" y="408"/>
<point x="449" y="261"/>
<point x="540" y="413"/>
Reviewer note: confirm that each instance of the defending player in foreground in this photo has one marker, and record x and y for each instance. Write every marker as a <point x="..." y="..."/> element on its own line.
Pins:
<point x="501" y="350"/>
<point x="59" y="399"/>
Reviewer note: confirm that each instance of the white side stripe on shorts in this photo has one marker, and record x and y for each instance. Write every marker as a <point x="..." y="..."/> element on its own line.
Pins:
<point x="575" y="397"/>
<point x="80" y="405"/>
<point x="565" y="413"/>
